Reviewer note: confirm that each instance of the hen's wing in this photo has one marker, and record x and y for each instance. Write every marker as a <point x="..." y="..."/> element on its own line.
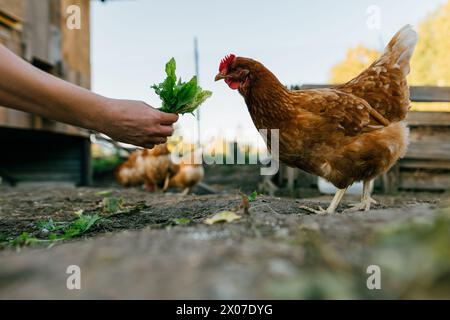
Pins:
<point x="383" y="85"/>
<point x="340" y="111"/>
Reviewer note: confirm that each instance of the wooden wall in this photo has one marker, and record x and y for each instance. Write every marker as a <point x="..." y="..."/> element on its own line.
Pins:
<point x="36" y="30"/>
<point x="36" y="149"/>
<point x="76" y="48"/>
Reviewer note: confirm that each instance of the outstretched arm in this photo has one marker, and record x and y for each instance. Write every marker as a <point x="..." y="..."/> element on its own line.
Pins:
<point x="29" y="89"/>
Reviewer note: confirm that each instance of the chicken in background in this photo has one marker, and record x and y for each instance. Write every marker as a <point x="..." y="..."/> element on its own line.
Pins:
<point x="188" y="174"/>
<point x="155" y="169"/>
<point x="131" y="172"/>
<point x="347" y="133"/>
<point x="158" y="168"/>
<point x="149" y="167"/>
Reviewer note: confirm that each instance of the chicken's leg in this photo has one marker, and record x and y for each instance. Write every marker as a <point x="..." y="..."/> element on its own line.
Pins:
<point x="185" y="191"/>
<point x="366" y="200"/>
<point x="333" y="205"/>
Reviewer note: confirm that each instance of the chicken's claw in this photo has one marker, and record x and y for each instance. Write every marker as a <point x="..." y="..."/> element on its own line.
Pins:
<point x="320" y="211"/>
<point x="364" y="205"/>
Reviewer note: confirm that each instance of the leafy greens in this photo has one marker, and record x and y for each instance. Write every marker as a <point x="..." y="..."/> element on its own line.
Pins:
<point x="177" y="96"/>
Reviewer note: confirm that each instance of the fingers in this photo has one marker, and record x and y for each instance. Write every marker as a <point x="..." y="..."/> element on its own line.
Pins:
<point x="166" y="131"/>
<point x="148" y="145"/>
<point x="157" y="140"/>
<point x="168" y="118"/>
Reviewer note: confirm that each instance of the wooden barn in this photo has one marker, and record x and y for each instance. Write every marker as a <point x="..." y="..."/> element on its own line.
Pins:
<point x="34" y="149"/>
<point x="426" y="166"/>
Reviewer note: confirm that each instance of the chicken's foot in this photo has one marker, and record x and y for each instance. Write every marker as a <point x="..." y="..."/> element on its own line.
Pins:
<point x="366" y="200"/>
<point x="333" y="205"/>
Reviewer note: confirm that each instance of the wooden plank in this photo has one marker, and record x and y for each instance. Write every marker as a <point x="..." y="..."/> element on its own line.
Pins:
<point x="429" y="133"/>
<point x="421" y="180"/>
<point x="76" y="45"/>
<point x="430" y="94"/>
<point x="429" y="150"/>
<point x="428" y="118"/>
<point x="38" y="30"/>
<point x="15" y="9"/>
<point x="424" y="164"/>
<point x="417" y="93"/>
<point x="390" y="180"/>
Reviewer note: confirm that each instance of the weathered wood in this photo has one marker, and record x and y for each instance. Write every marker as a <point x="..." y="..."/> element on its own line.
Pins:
<point x="429" y="150"/>
<point x="38" y="31"/>
<point x="422" y="180"/>
<point x="430" y="94"/>
<point x="390" y="180"/>
<point x="416" y="118"/>
<point x="76" y="45"/>
<point x="13" y="8"/>
<point x="424" y="164"/>
<point x="48" y="43"/>
<point x="417" y="93"/>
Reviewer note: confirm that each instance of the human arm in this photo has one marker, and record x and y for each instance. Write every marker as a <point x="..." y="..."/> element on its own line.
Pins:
<point x="26" y="88"/>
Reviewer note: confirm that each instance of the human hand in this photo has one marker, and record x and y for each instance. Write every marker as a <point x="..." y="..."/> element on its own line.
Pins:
<point x="135" y="122"/>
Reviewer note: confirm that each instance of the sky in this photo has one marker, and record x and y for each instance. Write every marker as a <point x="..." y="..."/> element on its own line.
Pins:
<point x="298" y="40"/>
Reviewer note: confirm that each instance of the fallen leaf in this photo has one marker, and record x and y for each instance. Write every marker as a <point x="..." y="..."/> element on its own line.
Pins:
<point x="180" y="221"/>
<point x="223" y="216"/>
<point x="104" y="193"/>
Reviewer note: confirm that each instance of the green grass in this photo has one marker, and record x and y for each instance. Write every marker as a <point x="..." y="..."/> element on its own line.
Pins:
<point x="56" y="231"/>
<point x="105" y="164"/>
<point x="50" y="231"/>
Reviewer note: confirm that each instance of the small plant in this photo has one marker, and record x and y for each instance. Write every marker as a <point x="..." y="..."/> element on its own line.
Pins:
<point x="57" y="231"/>
<point x="112" y="205"/>
<point x="80" y="226"/>
<point x="25" y="239"/>
<point x="252" y="196"/>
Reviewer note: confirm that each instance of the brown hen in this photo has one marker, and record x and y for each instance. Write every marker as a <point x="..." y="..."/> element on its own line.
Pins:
<point x="347" y="133"/>
<point x="151" y="167"/>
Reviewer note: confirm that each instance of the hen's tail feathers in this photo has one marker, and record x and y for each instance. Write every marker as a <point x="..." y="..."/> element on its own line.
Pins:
<point x="400" y="49"/>
<point x="383" y="85"/>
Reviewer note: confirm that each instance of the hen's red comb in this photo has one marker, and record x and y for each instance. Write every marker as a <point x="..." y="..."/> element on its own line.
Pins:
<point x="226" y="61"/>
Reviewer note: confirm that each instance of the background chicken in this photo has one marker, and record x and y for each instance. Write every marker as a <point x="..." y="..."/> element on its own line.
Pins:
<point x="188" y="174"/>
<point x="131" y="172"/>
<point x="158" y="167"/>
<point x="344" y="134"/>
<point x="155" y="169"/>
<point x="151" y="167"/>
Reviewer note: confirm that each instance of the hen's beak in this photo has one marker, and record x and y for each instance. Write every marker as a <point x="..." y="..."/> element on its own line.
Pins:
<point x="220" y="76"/>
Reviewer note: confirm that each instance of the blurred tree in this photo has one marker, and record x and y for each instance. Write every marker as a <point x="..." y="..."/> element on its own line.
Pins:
<point x="432" y="57"/>
<point x="429" y="65"/>
<point x="357" y="59"/>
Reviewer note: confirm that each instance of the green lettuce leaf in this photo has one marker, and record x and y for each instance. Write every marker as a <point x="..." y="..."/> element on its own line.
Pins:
<point x="179" y="97"/>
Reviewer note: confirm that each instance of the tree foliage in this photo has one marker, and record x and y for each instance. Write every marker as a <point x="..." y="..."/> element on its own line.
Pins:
<point x="431" y="60"/>
<point x="357" y="59"/>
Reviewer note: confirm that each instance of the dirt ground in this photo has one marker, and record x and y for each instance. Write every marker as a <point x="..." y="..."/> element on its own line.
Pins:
<point x="160" y="247"/>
